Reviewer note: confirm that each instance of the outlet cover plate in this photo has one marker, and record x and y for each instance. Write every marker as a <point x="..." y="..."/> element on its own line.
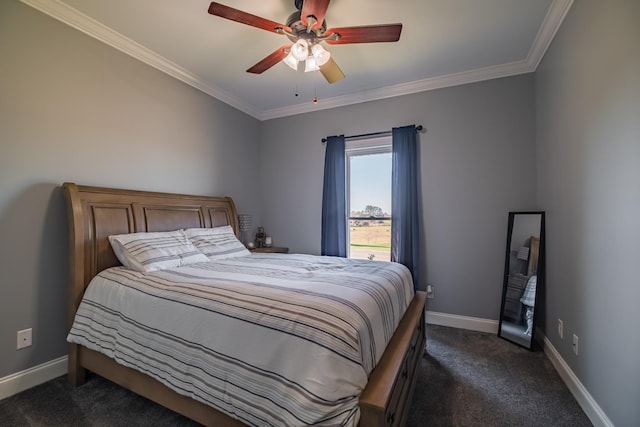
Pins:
<point x="430" y="291"/>
<point x="24" y="338"/>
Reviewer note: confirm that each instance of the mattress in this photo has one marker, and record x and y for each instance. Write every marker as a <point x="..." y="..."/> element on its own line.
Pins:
<point x="269" y="339"/>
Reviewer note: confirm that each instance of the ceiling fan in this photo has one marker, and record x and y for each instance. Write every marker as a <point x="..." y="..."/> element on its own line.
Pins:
<point x="307" y="29"/>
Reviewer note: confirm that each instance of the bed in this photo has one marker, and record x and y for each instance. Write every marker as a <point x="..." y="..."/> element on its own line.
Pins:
<point x="96" y="213"/>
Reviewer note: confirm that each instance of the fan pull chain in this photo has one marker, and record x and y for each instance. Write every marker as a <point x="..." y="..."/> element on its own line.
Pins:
<point x="315" y="91"/>
<point x="296" y="83"/>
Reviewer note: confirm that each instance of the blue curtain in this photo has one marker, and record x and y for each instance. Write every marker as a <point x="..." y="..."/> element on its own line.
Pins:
<point x="405" y="225"/>
<point x="334" y="204"/>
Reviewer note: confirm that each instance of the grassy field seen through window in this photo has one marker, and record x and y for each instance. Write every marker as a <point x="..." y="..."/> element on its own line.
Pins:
<point x="370" y="239"/>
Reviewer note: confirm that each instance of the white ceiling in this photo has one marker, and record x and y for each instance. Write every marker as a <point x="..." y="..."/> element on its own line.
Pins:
<point x="443" y="43"/>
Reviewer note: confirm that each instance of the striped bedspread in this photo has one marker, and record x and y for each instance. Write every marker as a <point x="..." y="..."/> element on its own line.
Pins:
<point x="270" y="339"/>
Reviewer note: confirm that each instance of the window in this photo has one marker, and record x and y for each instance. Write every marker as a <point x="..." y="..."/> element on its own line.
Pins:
<point x="368" y="166"/>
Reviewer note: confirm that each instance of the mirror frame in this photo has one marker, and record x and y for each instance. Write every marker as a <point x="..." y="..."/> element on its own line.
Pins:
<point x="540" y="280"/>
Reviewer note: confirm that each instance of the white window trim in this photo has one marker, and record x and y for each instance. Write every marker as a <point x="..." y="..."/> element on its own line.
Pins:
<point x="361" y="147"/>
<point x="381" y="144"/>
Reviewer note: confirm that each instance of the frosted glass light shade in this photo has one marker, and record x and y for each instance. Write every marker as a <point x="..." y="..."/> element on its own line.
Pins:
<point x="291" y="61"/>
<point x="300" y="50"/>
<point x="320" y="54"/>
<point x="310" y="65"/>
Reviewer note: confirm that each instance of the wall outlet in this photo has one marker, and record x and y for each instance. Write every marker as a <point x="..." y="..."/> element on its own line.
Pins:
<point x="561" y="328"/>
<point x="575" y="344"/>
<point x="24" y="338"/>
<point x="430" y="291"/>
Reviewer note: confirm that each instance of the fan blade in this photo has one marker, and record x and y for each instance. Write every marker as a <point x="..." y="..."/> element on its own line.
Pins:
<point x="366" y="34"/>
<point x="270" y="60"/>
<point x="317" y="8"/>
<point x="244" y="17"/>
<point x="331" y="71"/>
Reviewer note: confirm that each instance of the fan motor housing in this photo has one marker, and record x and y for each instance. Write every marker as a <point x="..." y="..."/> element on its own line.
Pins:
<point x="299" y="30"/>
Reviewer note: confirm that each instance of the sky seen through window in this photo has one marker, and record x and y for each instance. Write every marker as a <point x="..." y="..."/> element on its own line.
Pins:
<point x="371" y="182"/>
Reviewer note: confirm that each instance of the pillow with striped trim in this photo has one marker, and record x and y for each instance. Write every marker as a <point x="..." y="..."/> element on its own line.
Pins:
<point x="217" y="243"/>
<point x="153" y="251"/>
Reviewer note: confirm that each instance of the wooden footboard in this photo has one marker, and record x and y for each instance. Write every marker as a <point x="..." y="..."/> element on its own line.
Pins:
<point x="96" y="212"/>
<point x="385" y="400"/>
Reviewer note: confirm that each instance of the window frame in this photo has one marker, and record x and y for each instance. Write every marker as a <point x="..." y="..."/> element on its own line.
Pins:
<point x="362" y="147"/>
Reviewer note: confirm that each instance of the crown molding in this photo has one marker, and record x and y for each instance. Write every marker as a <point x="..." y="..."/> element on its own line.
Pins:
<point x="439" y="82"/>
<point x="70" y="16"/>
<point x="550" y="25"/>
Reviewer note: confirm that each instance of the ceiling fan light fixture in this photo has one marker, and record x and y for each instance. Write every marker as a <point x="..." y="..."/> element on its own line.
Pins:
<point x="291" y="61"/>
<point x="320" y="55"/>
<point x="300" y="50"/>
<point x="306" y="28"/>
<point x="311" y="64"/>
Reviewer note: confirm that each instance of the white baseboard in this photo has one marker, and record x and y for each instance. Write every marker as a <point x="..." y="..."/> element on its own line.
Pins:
<point x="462" y="322"/>
<point x="590" y="407"/>
<point x="23" y="380"/>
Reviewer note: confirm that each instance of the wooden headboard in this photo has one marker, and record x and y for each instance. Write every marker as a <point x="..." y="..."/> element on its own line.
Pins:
<point x="94" y="213"/>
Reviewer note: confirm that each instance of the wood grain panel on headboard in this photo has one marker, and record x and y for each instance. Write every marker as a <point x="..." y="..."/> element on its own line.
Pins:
<point x="95" y="213"/>
<point x="167" y="218"/>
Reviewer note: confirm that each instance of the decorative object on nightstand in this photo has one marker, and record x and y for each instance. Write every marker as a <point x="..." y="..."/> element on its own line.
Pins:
<point x="245" y="221"/>
<point x="268" y="242"/>
<point x="523" y="253"/>
<point x="260" y="237"/>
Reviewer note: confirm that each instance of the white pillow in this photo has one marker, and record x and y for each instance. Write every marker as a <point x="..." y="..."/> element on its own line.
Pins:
<point x="146" y="252"/>
<point x="217" y="242"/>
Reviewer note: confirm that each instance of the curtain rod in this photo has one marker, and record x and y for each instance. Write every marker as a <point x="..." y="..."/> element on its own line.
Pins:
<point x="386" y="132"/>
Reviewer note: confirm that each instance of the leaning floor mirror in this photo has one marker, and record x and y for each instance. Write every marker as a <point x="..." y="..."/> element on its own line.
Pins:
<point x="523" y="278"/>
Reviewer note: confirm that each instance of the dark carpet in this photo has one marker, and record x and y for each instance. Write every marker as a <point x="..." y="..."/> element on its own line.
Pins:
<point x="466" y="379"/>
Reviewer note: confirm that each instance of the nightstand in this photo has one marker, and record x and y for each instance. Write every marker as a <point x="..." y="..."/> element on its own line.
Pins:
<point x="271" y="250"/>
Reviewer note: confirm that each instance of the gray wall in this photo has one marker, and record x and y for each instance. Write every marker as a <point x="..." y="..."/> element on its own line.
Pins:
<point x="588" y="138"/>
<point x="74" y="109"/>
<point x="477" y="161"/>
